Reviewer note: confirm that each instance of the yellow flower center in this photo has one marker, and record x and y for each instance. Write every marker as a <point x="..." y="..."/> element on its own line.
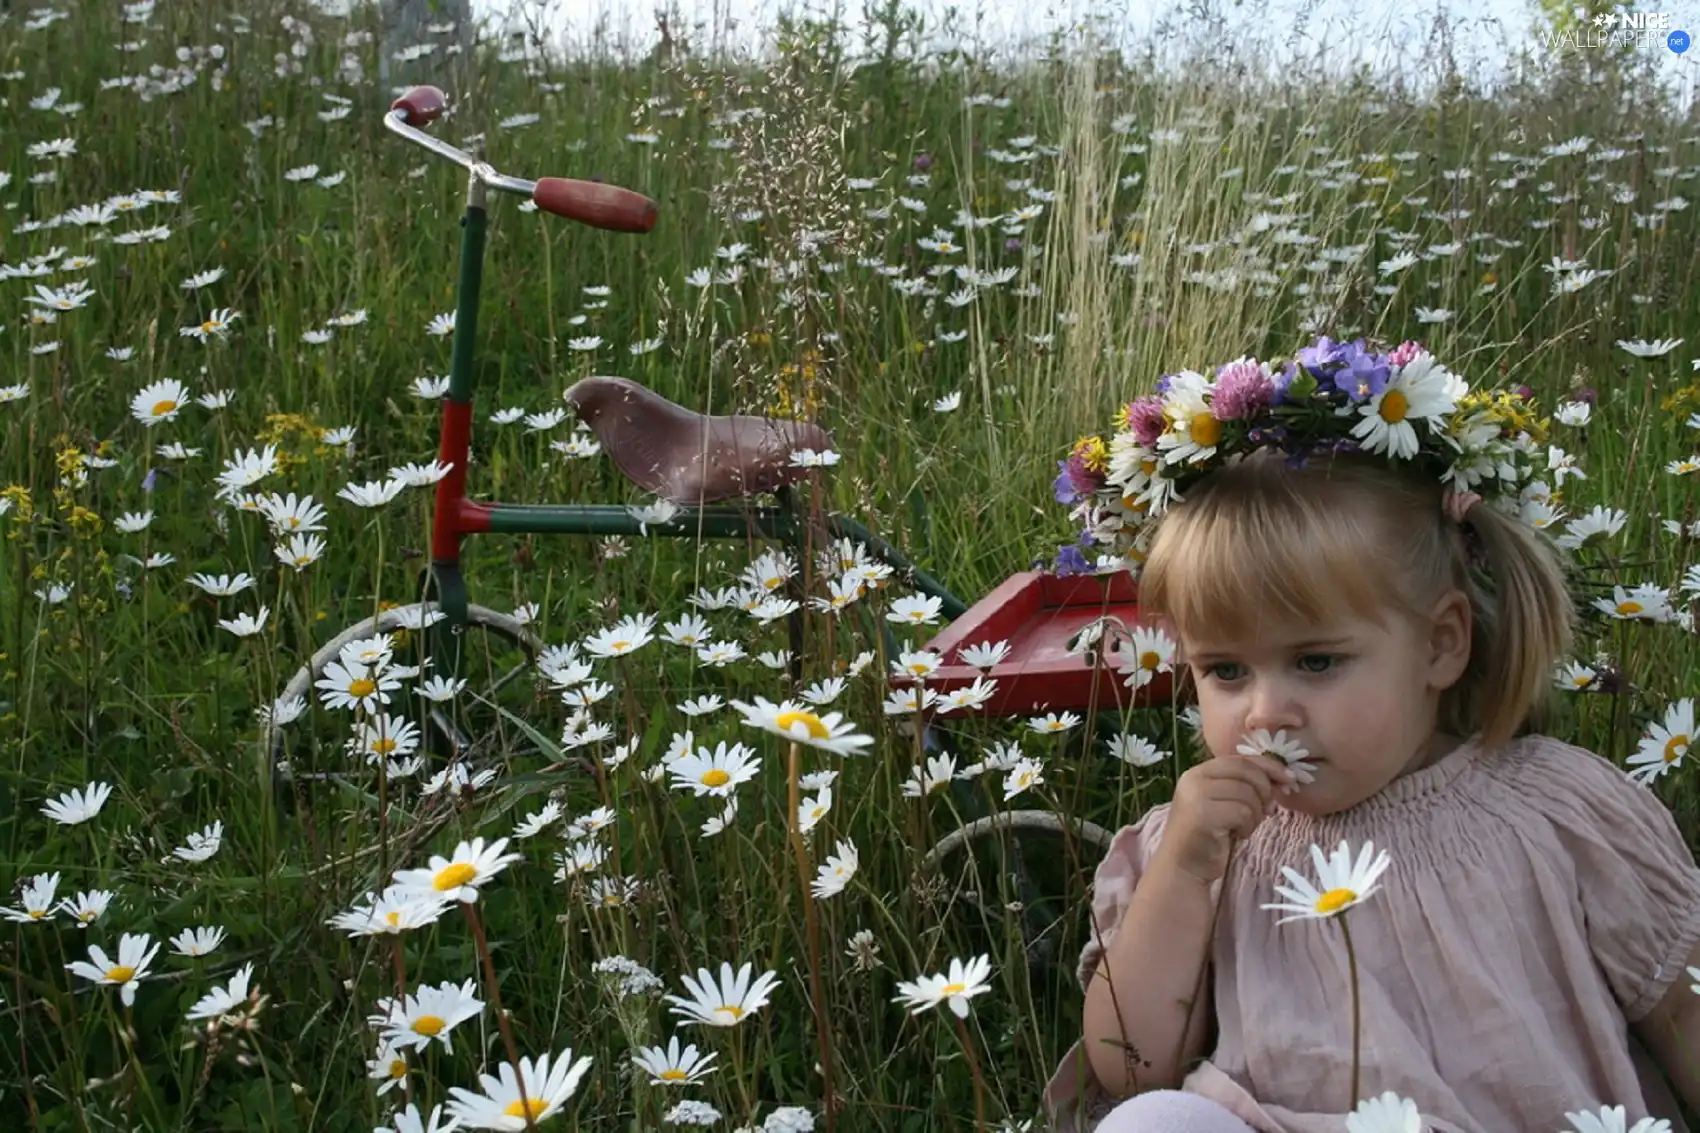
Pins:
<point x="620" y="646"/>
<point x="162" y="407"/>
<point x="209" y="326"/>
<point x="429" y="1025"/>
<point x="393" y="918"/>
<point x="453" y="877"/>
<point x="37" y="914"/>
<point x="727" y="1008"/>
<point x="673" y="1074"/>
<point x="1149" y="659"/>
<point x="920" y="668"/>
<point x="383" y="746"/>
<point x="953" y="989"/>
<point x="120" y="973"/>
<point x="303" y="560"/>
<point x="816" y="729"/>
<point x="526" y="1107"/>
<point x="1334" y="900"/>
<point x="1629" y="609"/>
<point x="1675" y="748"/>
<point x="1204" y="430"/>
<point x="1394" y="406"/>
<point x="398" y="1068"/>
<point x="611" y="899"/>
<point x="715" y="777"/>
<point x="361" y="687"/>
<point x="1581" y="680"/>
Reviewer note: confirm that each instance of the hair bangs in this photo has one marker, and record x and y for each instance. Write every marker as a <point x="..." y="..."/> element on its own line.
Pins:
<point x="1256" y="549"/>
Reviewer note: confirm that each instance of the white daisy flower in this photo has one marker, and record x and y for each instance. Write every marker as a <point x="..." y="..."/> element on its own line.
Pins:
<point x="835" y="873"/>
<point x="1389" y="1113"/>
<point x="1614" y="1119"/>
<point x="126" y="972"/>
<point x="1664" y="744"/>
<point x="1421" y="390"/>
<point x="461" y="875"/>
<point x="726" y="1001"/>
<point x="673" y="1066"/>
<point x="159" y="401"/>
<point x="503" y="1105"/>
<point x="223" y="1000"/>
<point x="77" y="806"/>
<point x="956" y="987"/>
<point x="794" y="722"/>
<point x="197" y="942"/>
<point x="1341" y="883"/>
<point x="1278" y="746"/>
<point x="1643" y="349"/>
<point x="431" y="1013"/>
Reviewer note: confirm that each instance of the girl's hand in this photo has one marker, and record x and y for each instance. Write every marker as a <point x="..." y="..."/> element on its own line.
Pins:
<point x="1215" y="802"/>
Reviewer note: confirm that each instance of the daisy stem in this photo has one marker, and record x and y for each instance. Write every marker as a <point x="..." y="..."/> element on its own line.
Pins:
<point x="483" y="947"/>
<point x="1352" y="974"/>
<point x="127" y="1034"/>
<point x="974" y="1068"/>
<point x="23" y="1041"/>
<point x="823" y="1032"/>
<point x="738" y="1070"/>
<point x="400" y="961"/>
<point x="383" y="814"/>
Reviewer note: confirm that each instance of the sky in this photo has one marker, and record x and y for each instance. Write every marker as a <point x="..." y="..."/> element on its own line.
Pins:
<point x="1374" y="30"/>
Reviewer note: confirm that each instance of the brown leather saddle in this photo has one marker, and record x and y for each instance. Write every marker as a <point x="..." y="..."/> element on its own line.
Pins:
<point x="686" y="457"/>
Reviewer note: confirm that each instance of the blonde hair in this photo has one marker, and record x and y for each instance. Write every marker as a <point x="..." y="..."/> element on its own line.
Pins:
<point x="1261" y="538"/>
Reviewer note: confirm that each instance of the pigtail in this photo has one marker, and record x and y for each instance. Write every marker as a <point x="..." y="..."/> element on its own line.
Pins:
<point x="1524" y="624"/>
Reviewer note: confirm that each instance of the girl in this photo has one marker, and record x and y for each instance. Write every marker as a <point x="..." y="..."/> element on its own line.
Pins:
<point x="1523" y="955"/>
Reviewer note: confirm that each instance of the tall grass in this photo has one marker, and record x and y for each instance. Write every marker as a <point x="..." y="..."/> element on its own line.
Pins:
<point x="1183" y="218"/>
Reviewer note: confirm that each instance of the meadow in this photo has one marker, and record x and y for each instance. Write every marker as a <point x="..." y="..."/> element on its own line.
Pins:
<point x="226" y="331"/>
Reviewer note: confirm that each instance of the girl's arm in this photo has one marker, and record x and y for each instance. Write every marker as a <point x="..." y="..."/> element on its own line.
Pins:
<point x="1671" y="1033"/>
<point x="1143" y="1030"/>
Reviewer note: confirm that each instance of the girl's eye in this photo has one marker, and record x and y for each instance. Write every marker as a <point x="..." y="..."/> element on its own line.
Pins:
<point x="1318" y="662"/>
<point x="1222" y="670"/>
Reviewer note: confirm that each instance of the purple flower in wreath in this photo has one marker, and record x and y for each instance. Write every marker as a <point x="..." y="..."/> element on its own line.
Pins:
<point x="1321" y="359"/>
<point x="1363" y="374"/>
<point x="1062" y="488"/>
<point x="1071" y="560"/>
<point x="1242" y="390"/>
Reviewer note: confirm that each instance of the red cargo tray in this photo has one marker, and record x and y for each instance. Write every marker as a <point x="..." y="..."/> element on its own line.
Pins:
<point x="1038" y="613"/>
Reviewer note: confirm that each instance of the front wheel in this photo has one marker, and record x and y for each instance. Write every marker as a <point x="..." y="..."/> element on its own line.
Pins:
<point x="496" y="651"/>
<point x="1020" y="868"/>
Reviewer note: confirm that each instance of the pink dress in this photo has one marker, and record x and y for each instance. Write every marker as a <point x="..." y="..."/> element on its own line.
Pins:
<point x="1538" y="902"/>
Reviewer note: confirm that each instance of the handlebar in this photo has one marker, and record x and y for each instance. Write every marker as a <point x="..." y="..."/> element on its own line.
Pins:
<point x="588" y="202"/>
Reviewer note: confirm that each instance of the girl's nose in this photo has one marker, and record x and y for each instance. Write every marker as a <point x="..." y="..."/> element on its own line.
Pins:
<point x="1273" y="707"/>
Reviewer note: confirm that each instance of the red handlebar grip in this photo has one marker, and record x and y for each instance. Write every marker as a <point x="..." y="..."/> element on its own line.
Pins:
<point x="595" y="204"/>
<point x="424" y="105"/>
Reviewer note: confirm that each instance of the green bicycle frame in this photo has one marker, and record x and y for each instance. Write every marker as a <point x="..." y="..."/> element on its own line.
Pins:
<point x="455" y="516"/>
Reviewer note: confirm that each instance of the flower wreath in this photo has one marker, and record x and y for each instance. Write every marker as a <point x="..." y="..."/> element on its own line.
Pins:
<point x="1332" y="398"/>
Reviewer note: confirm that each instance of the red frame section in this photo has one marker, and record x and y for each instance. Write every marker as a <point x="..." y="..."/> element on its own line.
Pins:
<point x="455" y="515"/>
<point x="1037" y="613"/>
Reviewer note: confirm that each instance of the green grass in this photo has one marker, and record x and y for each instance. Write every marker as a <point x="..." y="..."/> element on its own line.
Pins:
<point x="130" y="681"/>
